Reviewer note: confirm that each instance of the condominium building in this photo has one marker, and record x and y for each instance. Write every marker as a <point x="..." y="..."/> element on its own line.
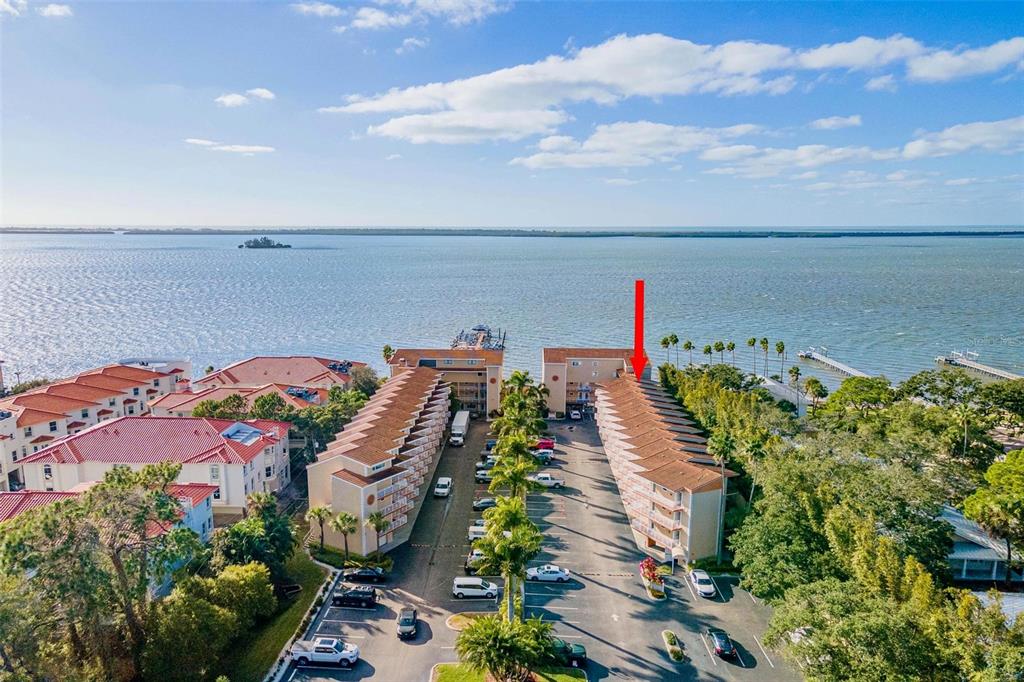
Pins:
<point x="571" y="374"/>
<point x="182" y="403"/>
<point x="33" y="420"/>
<point x="475" y="374"/>
<point x="670" y="487"/>
<point x="236" y="457"/>
<point x="289" y="370"/>
<point x="384" y="459"/>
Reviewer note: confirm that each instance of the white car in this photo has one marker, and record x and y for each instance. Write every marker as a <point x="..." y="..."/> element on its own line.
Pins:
<point x="703" y="583"/>
<point x="480" y="522"/>
<point x="443" y="487"/>
<point x="324" y="650"/>
<point x="548" y="573"/>
<point x="575" y="414"/>
<point x="547" y="480"/>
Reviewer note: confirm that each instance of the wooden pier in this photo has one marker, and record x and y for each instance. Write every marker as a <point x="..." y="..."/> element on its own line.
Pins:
<point x="968" y="361"/>
<point x="831" y="363"/>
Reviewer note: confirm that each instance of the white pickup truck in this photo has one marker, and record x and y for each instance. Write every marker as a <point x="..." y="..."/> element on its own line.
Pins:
<point x="547" y="480"/>
<point x="324" y="650"/>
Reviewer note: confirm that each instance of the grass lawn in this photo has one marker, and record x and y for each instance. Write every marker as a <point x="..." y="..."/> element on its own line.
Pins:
<point x="253" y="656"/>
<point x="456" y="672"/>
<point x="460" y="621"/>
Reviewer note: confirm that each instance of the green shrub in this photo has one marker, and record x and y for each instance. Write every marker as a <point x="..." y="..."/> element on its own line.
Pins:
<point x="676" y="654"/>
<point x="671" y="639"/>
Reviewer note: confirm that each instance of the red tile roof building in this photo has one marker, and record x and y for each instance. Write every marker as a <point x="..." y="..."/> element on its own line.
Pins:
<point x="237" y="457"/>
<point x="570" y="375"/>
<point x="30" y="420"/>
<point x="475" y="374"/>
<point x="291" y="370"/>
<point x="384" y="458"/>
<point x="182" y="403"/>
<point x="670" y="487"/>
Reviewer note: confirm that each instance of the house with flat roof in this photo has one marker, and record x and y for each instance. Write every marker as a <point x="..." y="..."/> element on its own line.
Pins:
<point x="236" y="457"/>
<point x="33" y="420"/>
<point x="384" y="458"/>
<point x="977" y="556"/>
<point x="571" y="374"/>
<point x="289" y="370"/>
<point x="670" y="487"/>
<point x="475" y="374"/>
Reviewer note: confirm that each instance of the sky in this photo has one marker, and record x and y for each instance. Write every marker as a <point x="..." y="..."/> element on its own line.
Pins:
<point x="493" y="113"/>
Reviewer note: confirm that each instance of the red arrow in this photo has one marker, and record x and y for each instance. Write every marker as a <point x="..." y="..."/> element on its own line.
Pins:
<point x="639" y="358"/>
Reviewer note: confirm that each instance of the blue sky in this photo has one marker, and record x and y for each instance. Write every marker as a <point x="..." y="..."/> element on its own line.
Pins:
<point x="480" y="112"/>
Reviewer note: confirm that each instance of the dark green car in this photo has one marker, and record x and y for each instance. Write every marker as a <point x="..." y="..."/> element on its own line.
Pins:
<point x="572" y="655"/>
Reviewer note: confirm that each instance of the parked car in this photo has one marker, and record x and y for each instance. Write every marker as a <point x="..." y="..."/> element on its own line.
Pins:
<point x="489" y="444"/>
<point x="573" y="655"/>
<point x="482" y="503"/>
<point x="443" y="487"/>
<point x="406" y="623"/>
<point x="483" y="476"/>
<point x="324" y="650"/>
<point x="487" y="464"/>
<point x="703" y="583"/>
<point x="361" y="596"/>
<point x="544" y="444"/>
<point x="364" y="575"/>
<point x="720" y="643"/>
<point x="543" y="456"/>
<point x="548" y="573"/>
<point x="474" y="558"/>
<point x="475" y="533"/>
<point x="482" y="523"/>
<point x="547" y="480"/>
<point x="575" y="414"/>
<point x="463" y="588"/>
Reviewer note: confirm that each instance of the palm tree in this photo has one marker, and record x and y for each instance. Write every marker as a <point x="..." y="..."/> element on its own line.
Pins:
<point x="688" y="347"/>
<point x="794" y="381"/>
<point x="508" y="552"/>
<point x="665" y="343"/>
<point x="707" y="352"/>
<point x="346" y="524"/>
<point x="780" y="348"/>
<point x="674" y="340"/>
<point x="320" y="515"/>
<point x="504" y="650"/>
<point x="721" y="446"/>
<point x="388" y="352"/>
<point x="519" y="414"/>
<point x="720" y="349"/>
<point x="753" y="342"/>
<point x="731" y="347"/>
<point x="508" y="513"/>
<point x="379" y="524"/>
<point x="513" y="448"/>
<point x="764" y="347"/>
<point x="964" y="414"/>
<point x="815" y="389"/>
<point x="513" y="475"/>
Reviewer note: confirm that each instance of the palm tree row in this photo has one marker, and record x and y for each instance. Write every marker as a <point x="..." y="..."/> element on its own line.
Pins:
<point x="346" y="524"/>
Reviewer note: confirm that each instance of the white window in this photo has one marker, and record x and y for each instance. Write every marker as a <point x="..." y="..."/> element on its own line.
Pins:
<point x="47" y="471"/>
<point x="448" y="361"/>
<point x="378" y="467"/>
<point x="470" y="362"/>
<point x="135" y="391"/>
<point x="112" y="402"/>
<point x="131" y="409"/>
<point x="215" y="472"/>
<point x="156" y="382"/>
<point x="85" y="413"/>
<point x="270" y="472"/>
<point x="216" y="494"/>
<point x="28" y="431"/>
<point x="576" y="363"/>
<point x="53" y="426"/>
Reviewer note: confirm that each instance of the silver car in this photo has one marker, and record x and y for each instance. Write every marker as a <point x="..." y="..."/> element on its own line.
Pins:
<point x="703" y="583"/>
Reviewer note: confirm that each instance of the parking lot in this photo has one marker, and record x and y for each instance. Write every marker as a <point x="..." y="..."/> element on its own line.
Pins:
<point x="604" y="607"/>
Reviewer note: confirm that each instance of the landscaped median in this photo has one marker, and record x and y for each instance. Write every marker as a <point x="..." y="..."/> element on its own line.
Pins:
<point x="672" y="645"/>
<point x="654" y="583"/>
<point x="460" y="621"/>
<point x="459" y="672"/>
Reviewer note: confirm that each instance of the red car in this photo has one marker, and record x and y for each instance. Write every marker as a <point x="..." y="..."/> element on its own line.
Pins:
<point x="544" y="444"/>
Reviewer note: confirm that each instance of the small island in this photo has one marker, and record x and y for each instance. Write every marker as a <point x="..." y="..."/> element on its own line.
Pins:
<point x="263" y="243"/>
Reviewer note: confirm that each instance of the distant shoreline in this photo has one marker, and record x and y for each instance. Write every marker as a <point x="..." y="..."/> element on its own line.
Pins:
<point x="511" y="232"/>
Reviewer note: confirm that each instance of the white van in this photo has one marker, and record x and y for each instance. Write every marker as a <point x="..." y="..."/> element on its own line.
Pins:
<point x="473" y="587"/>
<point x="476" y="532"/>
<point x="443" y="487"/>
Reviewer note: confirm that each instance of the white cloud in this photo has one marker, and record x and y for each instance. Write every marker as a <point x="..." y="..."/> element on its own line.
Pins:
<point x="13" y="7"/>
<point x="808" y="175"/>
<point x="625" y="144"/>
<point x="244" y="149"/>
<point x="411" y="44"/>
<point x="822" y="186"/>
<point x="53" y="10"/>
<point x="836" y="122"/>
<point x="393" y="157"/>
<point x="461" y="127"/>
<point x="960" y="182"/>
<point x="621" y="182"/>
<point x="770" y="161"/>
<point x="260" y="93"/>
<point x="862" y="53"/>
<point x="317" y="9"/>
<point x="1005" y="137"/>
<point x="728" y="153"/>
<point x="232" y="99"/>
<point x="456" y="12"/>
<point x="373" y="19"/>
<point x="944" y="65"/>
<point x="886" y="83"/>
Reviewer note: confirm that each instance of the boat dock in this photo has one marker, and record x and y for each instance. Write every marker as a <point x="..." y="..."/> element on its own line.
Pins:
<point x="831" y="363"/>
<point x="969" y="361"/>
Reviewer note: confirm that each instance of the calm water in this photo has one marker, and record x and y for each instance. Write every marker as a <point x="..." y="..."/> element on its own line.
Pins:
<point x="883" y="305"/>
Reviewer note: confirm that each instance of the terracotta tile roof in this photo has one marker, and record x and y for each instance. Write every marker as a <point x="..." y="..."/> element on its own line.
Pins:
<point x="41" y="439"/>
<point x="679" y="476"/>
<point x="81" y="391"/>
<point x="291" y="370"/>
<point x="356" y="479"/>
<point x="31" y="417"/>
<point x="132" y="373"/>
<point x="410" y="357"/>
<point x="47" y="402"/>
<point x="14" y="503"/>
<point x="147" y="440"/>
<point x="557" y="355"/>
<point x="76" y="425"/>
<point x="107" y="381"/>
<point x="104" y="412"/>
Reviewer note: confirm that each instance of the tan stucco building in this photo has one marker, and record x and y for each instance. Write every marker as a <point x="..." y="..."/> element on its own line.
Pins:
<point x="570" y="374"/>
<point x="475" y="374"/>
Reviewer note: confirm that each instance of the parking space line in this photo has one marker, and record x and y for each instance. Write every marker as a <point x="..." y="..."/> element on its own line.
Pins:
<point x="708" y="649"/>
<point x="355" y="622"/>
<point x="766" y="656"/>
<point x="686" y="579"/>
<point x="553" y="608"/>
<point x="718" y="591"/>
<point x="292" y="675"/>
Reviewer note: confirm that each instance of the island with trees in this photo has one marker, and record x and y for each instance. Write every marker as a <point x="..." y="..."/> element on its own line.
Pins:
<point x="263" y="243"/>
